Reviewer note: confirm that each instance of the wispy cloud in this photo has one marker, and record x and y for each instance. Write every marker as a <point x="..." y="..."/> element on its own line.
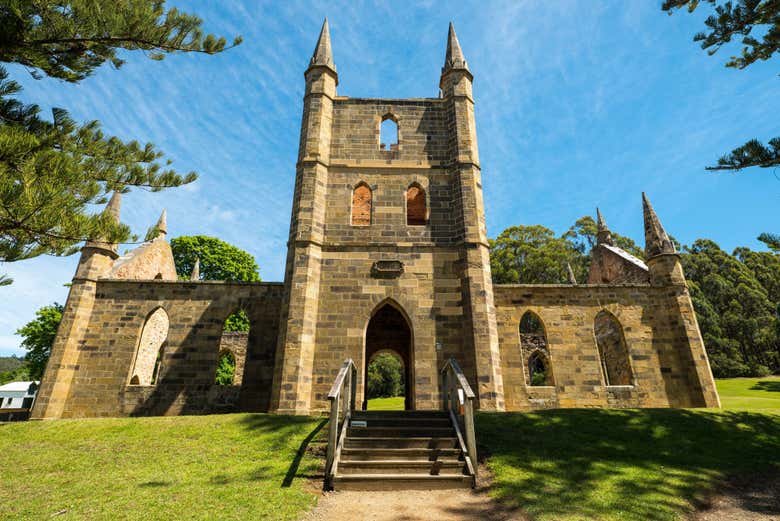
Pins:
<point x="578" y="104"/>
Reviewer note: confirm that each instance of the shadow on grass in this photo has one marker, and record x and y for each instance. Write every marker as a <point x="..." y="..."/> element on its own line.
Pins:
<point x="619" y="464"/>
<point x="293" y="470"/>
<point x="767" y="385"/>
<point x="283" y="428"/>
<point x="155" y="484"/>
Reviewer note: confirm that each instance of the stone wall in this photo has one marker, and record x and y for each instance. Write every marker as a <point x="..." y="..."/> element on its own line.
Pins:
<point x="612" y="265"/>
<point x="102" y="363"/>
<point x="654" y="329"/>
<point x="422" y="129"/>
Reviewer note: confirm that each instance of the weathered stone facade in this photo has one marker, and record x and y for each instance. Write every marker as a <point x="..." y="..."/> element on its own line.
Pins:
<point x="393" y="232"/>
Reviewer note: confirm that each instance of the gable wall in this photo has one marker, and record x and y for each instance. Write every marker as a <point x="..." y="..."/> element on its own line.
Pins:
<point x="655" y="332"/>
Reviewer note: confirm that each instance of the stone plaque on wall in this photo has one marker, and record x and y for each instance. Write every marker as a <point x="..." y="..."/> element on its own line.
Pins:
<point x="387" y="268"/>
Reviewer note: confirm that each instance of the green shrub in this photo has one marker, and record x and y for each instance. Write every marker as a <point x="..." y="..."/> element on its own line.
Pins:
<point x="385" y="377"/>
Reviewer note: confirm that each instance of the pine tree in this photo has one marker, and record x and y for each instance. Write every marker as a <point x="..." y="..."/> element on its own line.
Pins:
<point x="52" y="172"/>
<point x="733" y="19"/>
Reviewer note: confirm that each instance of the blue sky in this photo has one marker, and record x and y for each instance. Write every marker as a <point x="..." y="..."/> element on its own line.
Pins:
<point x="578" y="104"/>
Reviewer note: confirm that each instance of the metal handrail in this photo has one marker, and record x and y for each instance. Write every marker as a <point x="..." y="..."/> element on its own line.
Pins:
<point x="346" y="379"/>
<point x="458" y="399"/>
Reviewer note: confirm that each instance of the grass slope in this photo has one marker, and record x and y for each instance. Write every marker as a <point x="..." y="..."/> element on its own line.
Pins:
<point x="238" y="466"/>
<point x="643" y="465"/>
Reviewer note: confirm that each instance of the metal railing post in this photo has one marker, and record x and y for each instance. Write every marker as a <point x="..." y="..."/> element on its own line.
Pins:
<point x="471" y="438"/>
<point x="333" y="430"/>
<point x="353" y="390"/>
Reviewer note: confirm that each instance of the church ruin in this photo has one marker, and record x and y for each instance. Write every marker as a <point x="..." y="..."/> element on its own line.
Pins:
<point x="387" y="250"/>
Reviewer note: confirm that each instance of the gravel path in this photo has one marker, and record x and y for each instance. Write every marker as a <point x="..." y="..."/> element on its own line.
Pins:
<point x="410" y="505"/>
<point x="754" y="499"/>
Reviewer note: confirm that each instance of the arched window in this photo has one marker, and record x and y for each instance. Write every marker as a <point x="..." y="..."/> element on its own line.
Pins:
<point x="612" y="349"/>
<point x="415" y="205"/>
<point x="388" y="133"/>
<point x="151" y="349"/>
<point x="361" y="205"/>
<point x="536" y="353"/>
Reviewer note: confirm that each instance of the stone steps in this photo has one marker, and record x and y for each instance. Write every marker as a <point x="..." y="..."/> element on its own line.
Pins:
<point x="406" y="454"/>
<point x="398" y="450"/>
<point x="424" y="442"/>
<point x="402" y="466"/>
<point x="400" y="482"/>
<point x="409" y="431"/>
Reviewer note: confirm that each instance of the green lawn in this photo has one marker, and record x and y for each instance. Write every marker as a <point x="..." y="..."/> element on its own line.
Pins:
<point x="643" y="465"/>
<point x="755" y="394"/>
<point x="237" y="466"/>
<point x="396" y="403"/>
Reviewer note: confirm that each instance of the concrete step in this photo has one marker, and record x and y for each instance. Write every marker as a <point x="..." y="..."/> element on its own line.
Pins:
<point x="414" y="454"/>
<point x="403" y="421"/>
<point x="400" y="432"/>
<point x="402" y="443"/>
<point x="402" y="414"/>
<point x="433" y="468"/>
<point x="400" y="482"/>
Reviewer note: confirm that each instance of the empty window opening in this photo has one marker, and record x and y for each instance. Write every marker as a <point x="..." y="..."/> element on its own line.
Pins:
<point x="233" y="345"/>
<point x="361" y="205"/>
<point x="149" y="357"/>
<point x="415" y="206"/>
<point x="236" y="322"/>
<point x="613" y="352"/>
<point x="539" y="369"/>
<point x="535" y="351"/>
<point x="226" y="369"/>
<point x="388" y="134"/>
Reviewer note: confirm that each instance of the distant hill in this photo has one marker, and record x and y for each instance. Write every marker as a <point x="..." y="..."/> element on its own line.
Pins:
<point x="10" y="363"/>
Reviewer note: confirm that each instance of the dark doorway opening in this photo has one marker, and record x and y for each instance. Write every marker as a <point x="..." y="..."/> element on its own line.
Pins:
<point x="389" y="331"/>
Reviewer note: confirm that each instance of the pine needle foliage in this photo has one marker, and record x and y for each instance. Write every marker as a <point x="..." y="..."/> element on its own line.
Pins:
<point x="69" y="39"/>
<point x="54" y="171"/>
<point x="732" y="20"/>
<point x="772" y="241"/>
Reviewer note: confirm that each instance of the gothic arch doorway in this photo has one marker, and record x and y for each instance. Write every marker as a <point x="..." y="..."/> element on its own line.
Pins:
<point x="389" y="330"/>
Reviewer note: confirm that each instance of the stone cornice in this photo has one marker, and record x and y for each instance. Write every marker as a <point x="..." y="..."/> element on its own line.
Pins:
<point x="390" y="164"/>
<point x="334" y="246"/>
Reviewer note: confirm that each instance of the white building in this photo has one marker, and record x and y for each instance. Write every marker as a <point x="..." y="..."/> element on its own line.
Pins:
<point x="18" y="395"/>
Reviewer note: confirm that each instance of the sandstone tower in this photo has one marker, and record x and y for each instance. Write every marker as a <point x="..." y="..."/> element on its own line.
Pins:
<point x="387" y="237"/>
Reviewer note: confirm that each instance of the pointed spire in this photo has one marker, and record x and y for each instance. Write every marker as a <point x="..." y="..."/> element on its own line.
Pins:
<point x="603" y="235"/>
<point x="657" y="242"/>
<point x="570" y="274"/>
<point x="195" y="275"/>
<point x="112" y="209"/>
<point x="323" y="54"/>
<point x="162" y="223"/>
<point x="454" y="58"/>
<point x="114" y="206"/>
